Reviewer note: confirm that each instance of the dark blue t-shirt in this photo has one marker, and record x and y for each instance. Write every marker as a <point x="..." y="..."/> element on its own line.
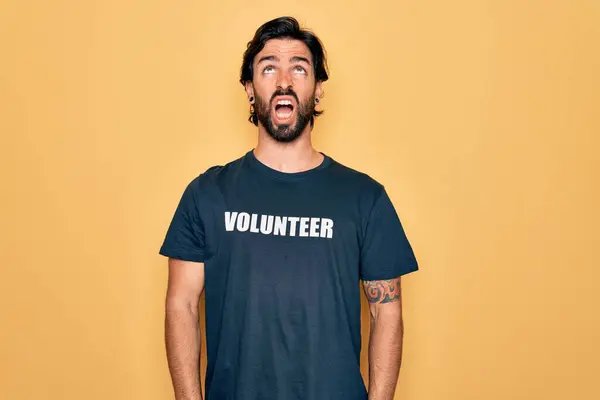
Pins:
<point x="284" y="254"/>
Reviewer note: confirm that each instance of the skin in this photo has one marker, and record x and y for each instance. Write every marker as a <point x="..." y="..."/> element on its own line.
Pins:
<point x="385" y="341"/>
<point x="299" y="155"/>
<point x="282" y="64"/>
<point x="182" y="333"/>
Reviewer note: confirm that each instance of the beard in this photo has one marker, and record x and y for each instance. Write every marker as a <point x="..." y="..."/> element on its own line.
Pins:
<point x="285" y="133"/>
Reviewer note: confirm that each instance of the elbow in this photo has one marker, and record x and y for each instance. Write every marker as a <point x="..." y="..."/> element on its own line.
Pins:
<point x="386" y="315"/>
<point x="177" y="305"/>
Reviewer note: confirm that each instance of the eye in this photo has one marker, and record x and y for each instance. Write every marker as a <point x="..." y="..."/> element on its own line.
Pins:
<point x="300" y="70"/>
<point x="269" y="69"/>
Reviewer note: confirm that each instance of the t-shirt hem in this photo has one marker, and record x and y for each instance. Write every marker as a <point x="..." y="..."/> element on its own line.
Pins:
<point x="391" y="275"/>
<point x="184" y="255"/>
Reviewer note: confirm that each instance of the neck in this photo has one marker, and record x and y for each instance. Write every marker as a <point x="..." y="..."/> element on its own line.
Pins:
<point x="297" y="156"/>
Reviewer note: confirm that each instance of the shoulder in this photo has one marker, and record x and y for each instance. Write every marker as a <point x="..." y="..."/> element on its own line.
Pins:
<point x="356" y="180"/>
<point x="208" y="183"/>
<point x="216" y="172"/>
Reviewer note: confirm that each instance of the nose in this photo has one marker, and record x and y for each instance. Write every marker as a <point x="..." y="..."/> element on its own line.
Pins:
<point x="283" y="80"/>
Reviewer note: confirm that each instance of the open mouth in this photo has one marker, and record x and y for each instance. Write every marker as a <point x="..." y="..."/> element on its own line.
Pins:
<point x="284" y="108"/>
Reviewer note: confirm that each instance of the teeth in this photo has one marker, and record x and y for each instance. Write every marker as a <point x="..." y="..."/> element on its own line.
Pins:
<point x="284" y="103"/>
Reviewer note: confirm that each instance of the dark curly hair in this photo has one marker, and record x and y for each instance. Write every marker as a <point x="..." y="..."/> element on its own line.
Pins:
<point x="284" y="28"/>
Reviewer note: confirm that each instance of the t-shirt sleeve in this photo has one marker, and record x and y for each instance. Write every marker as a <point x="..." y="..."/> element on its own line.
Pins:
<point x="185" y="238"/>
<point x="386" y="252"/>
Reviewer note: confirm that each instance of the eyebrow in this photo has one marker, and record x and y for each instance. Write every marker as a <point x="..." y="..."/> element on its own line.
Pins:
<point x="300" y="59"/>
<point x="293" y="59"/>
<point x="267" y="58"/>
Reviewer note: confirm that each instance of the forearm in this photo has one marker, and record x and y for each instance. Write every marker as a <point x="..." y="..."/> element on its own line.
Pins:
<point x="182" y="339"/>
<point x="385" y="356"/>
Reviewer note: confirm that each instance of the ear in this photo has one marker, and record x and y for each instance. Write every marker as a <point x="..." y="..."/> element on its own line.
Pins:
<point x="249" y="89"/>
<point x="319" y="90"/>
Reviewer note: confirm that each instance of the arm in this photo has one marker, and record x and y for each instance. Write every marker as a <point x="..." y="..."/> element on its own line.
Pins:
<point x="385" y="342"/>
<point x="182" y="333"/>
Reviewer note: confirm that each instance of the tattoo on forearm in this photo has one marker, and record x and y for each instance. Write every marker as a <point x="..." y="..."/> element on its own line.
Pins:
<point x="384" y="291"/>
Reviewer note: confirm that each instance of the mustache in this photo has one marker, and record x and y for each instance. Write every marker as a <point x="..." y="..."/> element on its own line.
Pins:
<point x="287" y="92"/>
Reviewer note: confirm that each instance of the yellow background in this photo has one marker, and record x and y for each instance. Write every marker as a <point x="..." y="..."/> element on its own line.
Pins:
<point x="480" y="117"/>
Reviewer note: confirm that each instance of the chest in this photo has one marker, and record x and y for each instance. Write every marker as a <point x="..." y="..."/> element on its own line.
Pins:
<point x="279" y="230"/>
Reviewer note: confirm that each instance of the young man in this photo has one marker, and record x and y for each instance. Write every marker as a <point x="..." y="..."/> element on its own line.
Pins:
<point x="282" y="237"/>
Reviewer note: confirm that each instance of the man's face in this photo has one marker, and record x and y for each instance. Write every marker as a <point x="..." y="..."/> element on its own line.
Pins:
<point x="284" y="88"/>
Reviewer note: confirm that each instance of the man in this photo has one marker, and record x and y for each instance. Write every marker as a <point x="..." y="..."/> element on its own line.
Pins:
<point x="282" y="238"/>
